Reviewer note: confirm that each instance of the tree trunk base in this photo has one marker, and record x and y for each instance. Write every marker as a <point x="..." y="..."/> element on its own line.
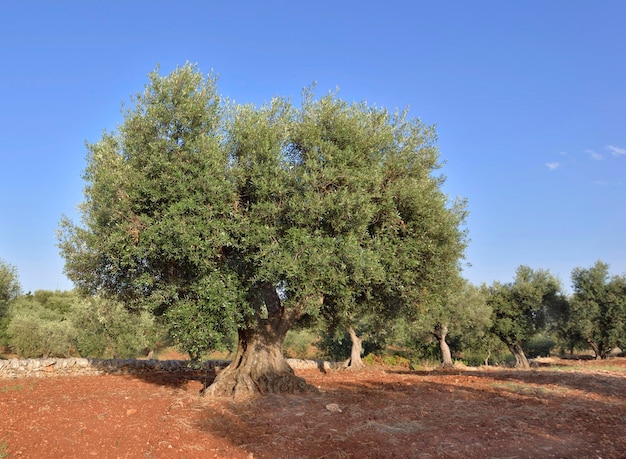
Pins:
<point x="353" y="364"/>
<point x="240" y="384"/>
<point x="259" y="368"/>
<point x="520" y="357"/>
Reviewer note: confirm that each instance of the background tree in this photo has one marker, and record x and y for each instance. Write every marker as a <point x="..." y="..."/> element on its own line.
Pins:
<point x="10" y="289"/>
<point x="561" y="326"/>
<point x="350" y="341"/>
<point x="259" y="216"/>
<point x="460" y="316"/>
<point x="598" y="308"/>
<point x="519" y="308"/>
<point x="105" y="329"/>
<point x="40" y="324"/>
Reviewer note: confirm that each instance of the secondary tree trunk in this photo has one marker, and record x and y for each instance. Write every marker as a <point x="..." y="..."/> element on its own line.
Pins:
<point x="259" y="366"/>
<point x="440" y="333"/>
<point x="355" y="361"/>
<point x="520" y="357"/>
<point x="598" y="349"/>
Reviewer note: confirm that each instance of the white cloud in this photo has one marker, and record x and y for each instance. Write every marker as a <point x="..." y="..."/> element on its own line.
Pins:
<point x="553" y="165"/>
<point x="594" y="155"/>
<point x="617" y="151"/>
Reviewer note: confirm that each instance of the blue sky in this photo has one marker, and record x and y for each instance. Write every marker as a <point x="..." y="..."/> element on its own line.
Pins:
<point x="528" y="98"/>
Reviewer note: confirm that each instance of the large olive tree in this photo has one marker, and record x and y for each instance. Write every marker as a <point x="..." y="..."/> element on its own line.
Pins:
<point x="255" y="216"/>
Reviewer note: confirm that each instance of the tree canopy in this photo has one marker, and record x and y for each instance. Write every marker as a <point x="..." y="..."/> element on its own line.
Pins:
<point x="597" y="314"/>
<point x="10" y="289"/>
<point x="237" y="217"/>
<point x="519" y="308"/>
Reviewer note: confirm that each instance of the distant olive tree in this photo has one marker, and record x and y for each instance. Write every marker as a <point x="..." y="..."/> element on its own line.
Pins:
<point x="10" y="289"/>
<point x="40" y="325"/>
<point x="106" y="329"/>
<point x="597" y="314"/>
<point x="519" y="308"/>
<point x="61" y="324"/>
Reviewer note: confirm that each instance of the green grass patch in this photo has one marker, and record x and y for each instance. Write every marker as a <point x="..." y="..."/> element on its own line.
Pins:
<point x="520" y="388"/>
<point x="4" y="449"/>
<point x="526" y="389"/>
<point x="15" y="388"/>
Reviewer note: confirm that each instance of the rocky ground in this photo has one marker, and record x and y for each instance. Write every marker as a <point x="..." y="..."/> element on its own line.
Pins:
<point x="571" y="409"/>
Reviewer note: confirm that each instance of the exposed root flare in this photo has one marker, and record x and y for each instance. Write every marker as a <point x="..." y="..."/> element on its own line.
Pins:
<point x="241" y="386"/>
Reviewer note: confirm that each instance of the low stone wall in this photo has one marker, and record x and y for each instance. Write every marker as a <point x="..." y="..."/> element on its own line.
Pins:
<point x="38" y="368"/>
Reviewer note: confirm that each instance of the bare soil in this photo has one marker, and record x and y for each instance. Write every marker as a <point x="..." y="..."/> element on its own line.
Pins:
<point x="564" y="409"/>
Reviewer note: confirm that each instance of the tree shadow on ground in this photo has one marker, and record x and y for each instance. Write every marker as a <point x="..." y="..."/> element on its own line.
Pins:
<point x="611" y="385"/>
<point x="402" y="414"/>
<point x="171" y="373"/>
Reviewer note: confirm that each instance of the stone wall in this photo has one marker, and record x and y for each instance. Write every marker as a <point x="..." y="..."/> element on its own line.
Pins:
<point x="37" y="368"/>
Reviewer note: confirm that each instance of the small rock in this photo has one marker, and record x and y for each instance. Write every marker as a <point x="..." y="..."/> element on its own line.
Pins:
<point x="333" y="408"/>
<point x="131" y="411"/>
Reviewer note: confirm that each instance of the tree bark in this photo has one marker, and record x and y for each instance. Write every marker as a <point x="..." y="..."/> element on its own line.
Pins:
<point x="259" y="366"/>
<point x="355" y="362"/>
<point x="598" y="349"/>
<point x="440" y="333"/>
<point x="520" y="357"/>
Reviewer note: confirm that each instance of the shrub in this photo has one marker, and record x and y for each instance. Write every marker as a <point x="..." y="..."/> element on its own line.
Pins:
<point x="34" y="331"/>
<point x="539" y="345"/>
<point x="298" y="344"/>
<point x="108" y="330"/>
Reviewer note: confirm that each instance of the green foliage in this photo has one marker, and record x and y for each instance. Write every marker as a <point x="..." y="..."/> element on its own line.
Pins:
<point x="57" y="324"/>
<point x="560" y="324"/>
<point x="463" y="311"/>
<point x="597" y="314"/>
<point x="300" y="344"/>
<point x="335" y="343"/>
<point x="10" y="289"/>
<point x="539" y="345"/>
<point x="105" y="329"/>
<point x="40" y="325"/>
<point x="519" y="308"/>
<point x="9" y="282"/>
<point x="224" y="216"/>
<point x="393" y="360"/>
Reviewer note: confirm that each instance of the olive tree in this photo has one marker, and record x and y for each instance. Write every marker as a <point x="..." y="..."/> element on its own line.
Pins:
<point x="519" y="308"/>
<point x="597" y="314"/>
<point x="40" y="324"/>
<point x="10" y="289"/>
<point x="258" y="216"/>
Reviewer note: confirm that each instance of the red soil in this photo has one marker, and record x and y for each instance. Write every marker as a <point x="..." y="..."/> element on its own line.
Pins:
<point x="567" y="409"/>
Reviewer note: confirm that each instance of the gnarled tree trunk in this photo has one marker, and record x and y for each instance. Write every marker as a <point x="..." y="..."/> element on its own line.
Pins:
<point x="520" y="357"/>
<point x="441" y="331"/>
<point x="259" y="366"/>
<point x="598" y="349"/>
<point x="355" y="361"/>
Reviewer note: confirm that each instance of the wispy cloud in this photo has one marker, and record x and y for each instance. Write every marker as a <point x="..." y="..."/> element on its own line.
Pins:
<point x="594" y="155"/>
<point x="617" y="151"/>
<point x="553" y="165"/>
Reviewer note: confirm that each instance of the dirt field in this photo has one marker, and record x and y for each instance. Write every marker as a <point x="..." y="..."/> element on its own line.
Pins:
<point x="566" y="409"/>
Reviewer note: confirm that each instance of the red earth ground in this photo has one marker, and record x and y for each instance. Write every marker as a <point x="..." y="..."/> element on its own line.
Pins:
<point x="565" y="409"/>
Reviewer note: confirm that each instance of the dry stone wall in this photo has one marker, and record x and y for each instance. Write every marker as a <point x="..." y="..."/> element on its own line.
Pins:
<point x="38" y="368"/>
